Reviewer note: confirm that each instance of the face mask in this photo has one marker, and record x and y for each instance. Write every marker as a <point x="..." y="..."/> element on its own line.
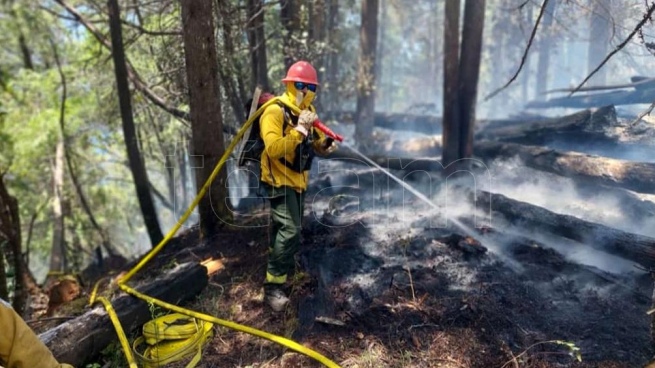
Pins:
<point x="300" y="99"/>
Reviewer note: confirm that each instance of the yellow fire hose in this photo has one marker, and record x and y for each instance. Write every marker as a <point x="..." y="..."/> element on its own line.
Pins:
<point x="183" y="343"/>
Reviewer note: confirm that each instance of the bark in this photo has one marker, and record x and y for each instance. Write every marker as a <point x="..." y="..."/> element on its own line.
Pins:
<point x="206" y="119"/>
<point x="80" y="340"/>
<point x="25" y="51"/>
<point x="4" y="291"/>
<point x="635" y="176"/>
<point x="543" y="63"/>
<point x="368" y="34"/>
<point x="229" y="68"/>
<point x="329" y="87"/>
<point x="290" y="18"/>
<point x="137" y="166"/>
<point x="58" y="250"/>
<point x="451" y="109"/>
<point x="600" y="34"/>
<point x="525" y="80"/>
<point x="634" y="247"/>
<point x="182" y="163"/>
<point x="10" y="235"/>
<point x="316" y="38"/>
<point x="257" y="43"/>
<point x="469" y="72"/>
<point x="585" y="125"/>
<point x="317" y="33"/>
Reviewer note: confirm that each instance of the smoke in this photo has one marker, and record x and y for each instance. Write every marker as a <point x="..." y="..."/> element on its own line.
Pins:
<point x="562" y="195"/>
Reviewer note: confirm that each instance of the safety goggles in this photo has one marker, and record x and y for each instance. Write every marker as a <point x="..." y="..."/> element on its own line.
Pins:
<point x="301" y="85"/>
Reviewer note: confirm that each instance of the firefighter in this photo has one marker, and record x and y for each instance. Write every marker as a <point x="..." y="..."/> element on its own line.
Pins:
<point x="19" y="345"/>
<point x="290" y="143"/>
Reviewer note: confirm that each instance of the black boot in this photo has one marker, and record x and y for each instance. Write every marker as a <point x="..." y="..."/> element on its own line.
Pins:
<point x="274" y="296"/>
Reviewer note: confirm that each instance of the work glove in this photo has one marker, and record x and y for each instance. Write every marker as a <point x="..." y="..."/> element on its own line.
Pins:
<point x="330" y="146"/>
<point x="305" y="121"/>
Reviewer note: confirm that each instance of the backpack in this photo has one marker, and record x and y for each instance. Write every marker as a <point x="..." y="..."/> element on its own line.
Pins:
<point x="252" y="145"/>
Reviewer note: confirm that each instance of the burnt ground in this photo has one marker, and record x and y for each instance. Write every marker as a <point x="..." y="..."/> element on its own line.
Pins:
<point x="382" y="286"/>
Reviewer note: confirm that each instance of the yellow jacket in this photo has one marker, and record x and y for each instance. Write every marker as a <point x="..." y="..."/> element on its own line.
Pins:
<point x="19" y="345"/>
<point x="283" y="145"/>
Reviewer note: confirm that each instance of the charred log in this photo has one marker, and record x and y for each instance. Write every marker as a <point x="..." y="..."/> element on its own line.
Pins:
<point x="637" y="96"/>
<point x="636" y="176"/>
<point x="634" y="247"/>
<point x="83" y="338"/>
<point x="391" y="162"/>
<point x="587" y="125"/>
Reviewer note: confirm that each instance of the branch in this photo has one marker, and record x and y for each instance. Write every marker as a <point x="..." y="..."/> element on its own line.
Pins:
<point x="131" y="72"/>
<point x="525" y="53"/>
<point x="161" y="197"/>
<point x="641" y="116"/>
<point x="149" y="32"/>
<point x="618" y="48"/>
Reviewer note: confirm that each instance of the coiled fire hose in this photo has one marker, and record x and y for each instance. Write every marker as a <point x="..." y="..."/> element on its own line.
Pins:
<point x="201" y="323"/>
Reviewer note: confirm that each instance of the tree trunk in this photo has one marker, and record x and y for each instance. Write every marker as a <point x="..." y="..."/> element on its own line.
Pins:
<point x="544" y="48"/>
<point x="4" y="287"/>
<point x="368" y="34"/>
<point x="525" y="79"/>
<point x="184" y="179"/>
<point x="257" y="42"/>
<point x="58" y="250"/>
<point x="137" y="166"/>
<point x="331" y="78"/>
<point x="206" y="118"/>
<point x="228" y="67"/>
<point x="10" y="235"/>
<point x="469" y="72"/>
<point x="635" y="176"/>
<point x="317" y="38"/>
<point x="290" y="18"/>
<point x="80" y="340"/>
<point x="600" y="33"/>
<point x="317" y="33"/>
<point x="451" y="109"/>
<point x="25" y="51"/>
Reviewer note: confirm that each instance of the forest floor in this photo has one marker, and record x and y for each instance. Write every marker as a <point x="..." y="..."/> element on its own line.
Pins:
<point x="386" y="291"/>
<point x="381" y="286"/>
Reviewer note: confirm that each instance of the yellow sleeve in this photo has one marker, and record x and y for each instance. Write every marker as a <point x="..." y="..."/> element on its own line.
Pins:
<point x="19" y="345"/>
<point x="276" y="144"/>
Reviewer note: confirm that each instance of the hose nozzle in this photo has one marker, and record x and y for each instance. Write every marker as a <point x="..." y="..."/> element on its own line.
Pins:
<point x="320" y="126"/>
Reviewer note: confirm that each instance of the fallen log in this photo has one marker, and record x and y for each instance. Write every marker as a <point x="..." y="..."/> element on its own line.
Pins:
<point x="634" y="247"/>
<point x="635" y="176"/>
<point x="633" y="207"/>
<point x="586" y="125"/>
<point x="426" y="124"/>
<point x="391" y="162"/>
<point x="629" y="97"/>
<point x="79" y="340"/>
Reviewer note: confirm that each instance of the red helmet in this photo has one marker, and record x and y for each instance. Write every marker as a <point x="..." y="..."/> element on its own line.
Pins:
<point x="301" y="71"/>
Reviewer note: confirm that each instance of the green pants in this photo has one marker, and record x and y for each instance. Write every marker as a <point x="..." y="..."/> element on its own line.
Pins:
<point x="287" y="207"/>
